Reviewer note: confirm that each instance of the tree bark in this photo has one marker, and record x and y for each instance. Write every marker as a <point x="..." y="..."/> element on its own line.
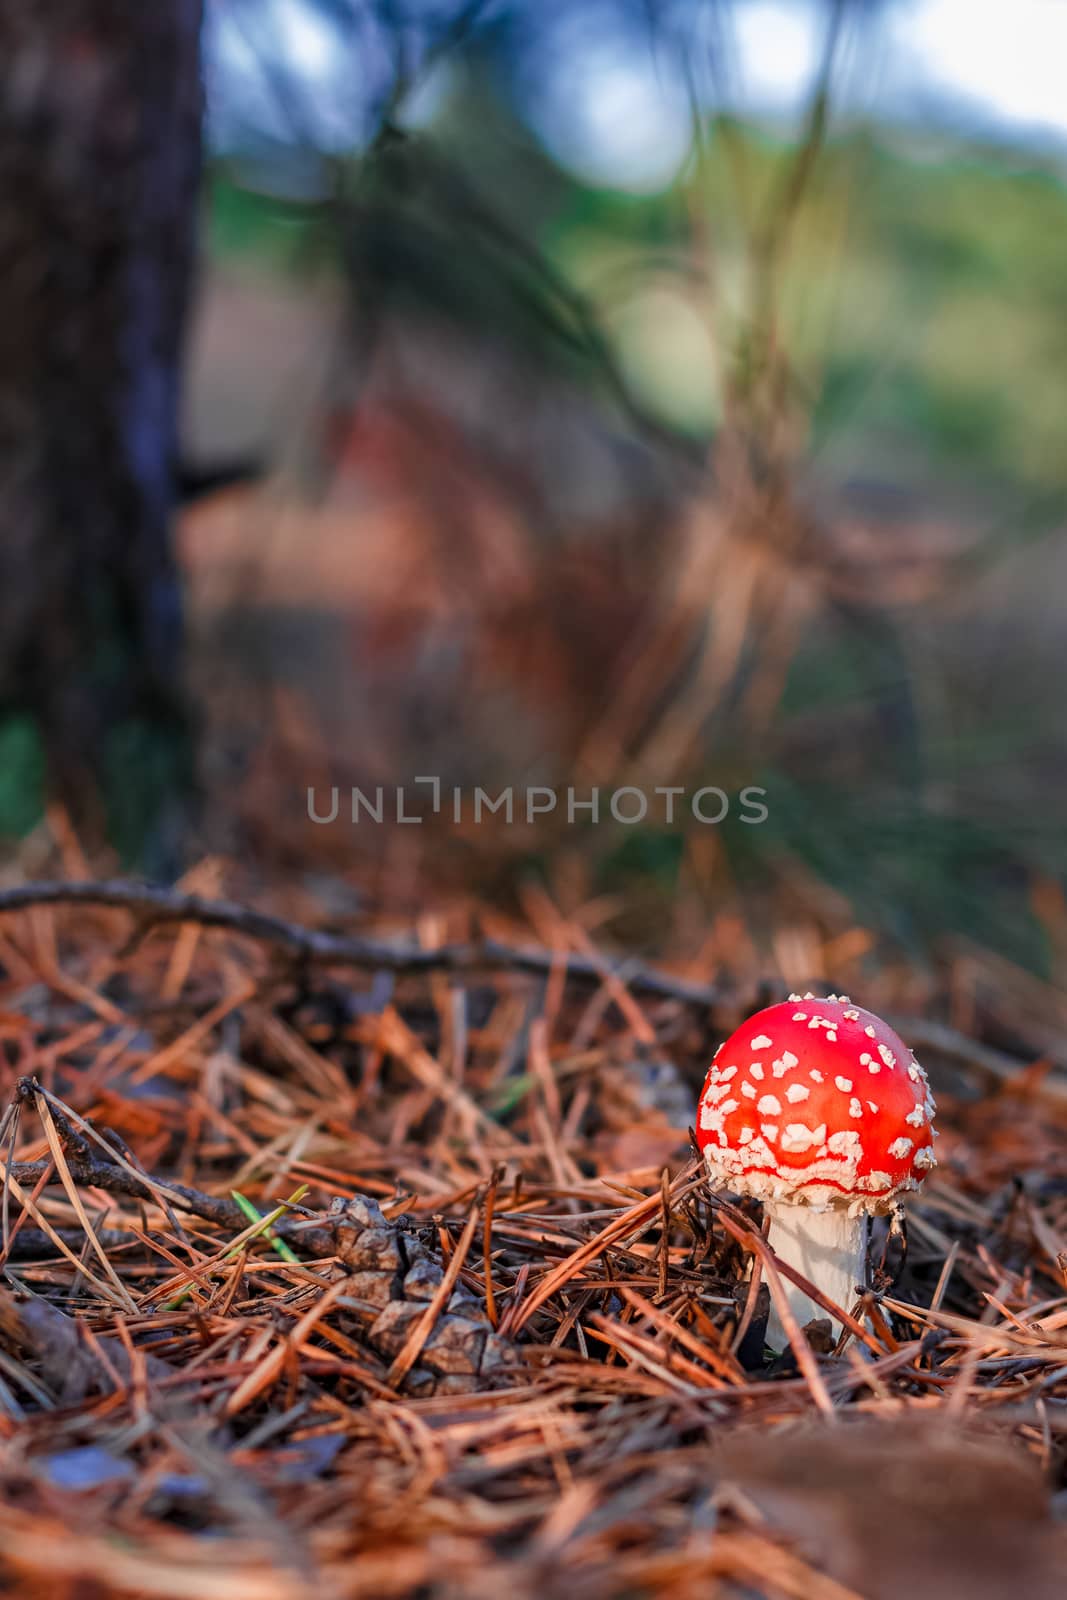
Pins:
<point x="100" y="115"/>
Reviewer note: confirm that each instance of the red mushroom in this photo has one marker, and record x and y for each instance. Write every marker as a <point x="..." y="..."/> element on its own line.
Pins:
<point x="818" y="1109"/>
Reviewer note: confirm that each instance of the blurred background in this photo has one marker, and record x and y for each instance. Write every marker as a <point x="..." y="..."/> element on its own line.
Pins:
<point x="650" y="392"/>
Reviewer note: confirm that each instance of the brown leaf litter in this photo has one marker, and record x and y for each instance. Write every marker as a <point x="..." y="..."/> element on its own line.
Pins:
<point x="417" y="1291"/>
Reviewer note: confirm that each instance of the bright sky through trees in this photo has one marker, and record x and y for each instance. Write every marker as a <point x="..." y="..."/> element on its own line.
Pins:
<point x="615" y="111"/>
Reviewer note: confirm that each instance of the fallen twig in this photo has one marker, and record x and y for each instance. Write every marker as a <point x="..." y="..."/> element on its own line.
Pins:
<point x="153" y="905"/>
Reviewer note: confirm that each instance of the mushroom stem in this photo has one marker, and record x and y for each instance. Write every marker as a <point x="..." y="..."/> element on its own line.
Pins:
<point x="829" y="1248"/>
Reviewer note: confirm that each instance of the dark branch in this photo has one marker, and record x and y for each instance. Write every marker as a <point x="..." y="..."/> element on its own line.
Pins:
<point x="155" y="906"/>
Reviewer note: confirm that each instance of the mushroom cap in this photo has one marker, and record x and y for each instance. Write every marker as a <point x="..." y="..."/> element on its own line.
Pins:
<point x="818" y="1102"/>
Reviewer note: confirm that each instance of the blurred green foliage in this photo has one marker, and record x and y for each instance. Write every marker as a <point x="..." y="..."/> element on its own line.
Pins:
<point x="920" y="294"/>
<point x="22" y="776"/>
<point x="256" y="225"/>
<point x="923" y="294"/>
<point x="923" y="299"/>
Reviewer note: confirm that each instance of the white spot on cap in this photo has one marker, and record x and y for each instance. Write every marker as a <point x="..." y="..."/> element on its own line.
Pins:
<point x="845" y="1142"/>
<point x="715" y="1093"/>
<point x="744" y="1136"/>
<point x="769" y="1131"/>
<point x="759" y="1153"/>
<point x="887" y="1055"/>
<point x="925" y="1158"/>
<point x="797" y="1091"/>
<point x="854" y="1108"/>
<point x="727" y="1073"/>
<point x="761" y="1042"/>
<point x="797" y="1138"/>
<point x="815" y="1075"/>
<point x="785" y="1062"/>
<point x="756" y="1069"/>
<point x="917" y="1117"/>
<point x="869" y="1031"/>
<point x="769" y="1106"/>
<point x="873" y="1106"/>
<point x="900" y="1147"/>
<point x="844" y="1084"/>
<point x="711" y="1116"/>
<point x="853" y="1016"/>
<point x="749" y="1091"/>
<point x="800" y="1016"/>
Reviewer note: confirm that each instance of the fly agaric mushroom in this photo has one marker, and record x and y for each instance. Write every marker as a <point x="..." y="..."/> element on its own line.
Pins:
<point x="820" y="1111"/>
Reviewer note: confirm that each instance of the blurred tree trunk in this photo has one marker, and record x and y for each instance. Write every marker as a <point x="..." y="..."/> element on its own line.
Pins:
<point x="100" y="104"/>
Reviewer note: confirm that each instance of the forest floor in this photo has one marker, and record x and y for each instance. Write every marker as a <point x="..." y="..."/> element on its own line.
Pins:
<point x="385" y="1268"/>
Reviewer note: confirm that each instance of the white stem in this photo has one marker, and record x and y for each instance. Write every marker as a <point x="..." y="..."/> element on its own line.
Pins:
<point x="829" y="1248"/>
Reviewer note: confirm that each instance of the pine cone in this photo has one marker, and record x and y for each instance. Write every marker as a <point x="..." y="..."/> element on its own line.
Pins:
<point x="393" y="1268"/>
